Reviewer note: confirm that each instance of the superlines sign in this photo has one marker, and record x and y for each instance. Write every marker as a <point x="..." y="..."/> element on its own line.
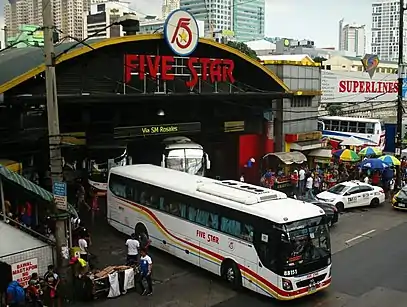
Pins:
<point x="343" y="86"/>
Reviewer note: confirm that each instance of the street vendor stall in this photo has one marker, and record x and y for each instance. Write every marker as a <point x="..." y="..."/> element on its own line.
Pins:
<point x="281" y="164"/>
<point x="110" y="282"/>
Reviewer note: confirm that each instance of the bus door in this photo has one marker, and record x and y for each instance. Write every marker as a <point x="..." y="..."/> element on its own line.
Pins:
<point x="251" y="265"/>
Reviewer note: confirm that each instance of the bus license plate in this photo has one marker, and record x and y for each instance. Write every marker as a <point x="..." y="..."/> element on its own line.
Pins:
<point x="402" y="205"/>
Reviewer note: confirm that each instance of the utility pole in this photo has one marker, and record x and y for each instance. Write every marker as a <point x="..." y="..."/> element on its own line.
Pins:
<point x="54" y="136"/>
<point x="400" y="108"/>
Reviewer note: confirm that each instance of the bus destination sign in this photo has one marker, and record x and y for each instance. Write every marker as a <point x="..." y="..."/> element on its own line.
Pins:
<point x="137" y="131"/>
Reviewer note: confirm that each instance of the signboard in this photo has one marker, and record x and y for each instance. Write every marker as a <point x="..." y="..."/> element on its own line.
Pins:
<point x="181" y="32"/>
<point x="60" y="195"/>
<point x="356" y="86"/>
<point x="22" y="271"/>
<point x="136" y="131"/>
<point x="163" y="67"/>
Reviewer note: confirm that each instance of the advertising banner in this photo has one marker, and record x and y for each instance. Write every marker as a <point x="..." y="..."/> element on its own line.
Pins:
<point x="357" y="86"/>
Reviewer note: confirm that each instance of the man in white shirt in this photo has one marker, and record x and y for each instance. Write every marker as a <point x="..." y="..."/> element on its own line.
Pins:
<point x="146" y="265"/>
<point x="301" y="178"/>
<point x="366" y="180"/>
<point x="309" y="184"/>
<point x="83" y="247"/>
<point x="133" y="246"/>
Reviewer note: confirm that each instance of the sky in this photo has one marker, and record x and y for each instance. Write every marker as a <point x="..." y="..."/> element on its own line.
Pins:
<point x="316" y="20"/>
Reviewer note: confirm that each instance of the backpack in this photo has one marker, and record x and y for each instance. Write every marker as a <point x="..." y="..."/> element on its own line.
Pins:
<point x="17" y="293"/>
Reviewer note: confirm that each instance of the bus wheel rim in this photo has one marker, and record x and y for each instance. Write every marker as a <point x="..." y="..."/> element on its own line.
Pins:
<point x="230" y="275"/>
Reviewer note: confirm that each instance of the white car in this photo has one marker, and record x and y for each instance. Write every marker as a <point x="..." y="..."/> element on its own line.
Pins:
<point x="351" y="194"/>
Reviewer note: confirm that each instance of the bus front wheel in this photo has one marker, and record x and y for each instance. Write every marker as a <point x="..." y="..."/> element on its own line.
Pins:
<point x="231" y="273"/>
<point x="142" y="234"/>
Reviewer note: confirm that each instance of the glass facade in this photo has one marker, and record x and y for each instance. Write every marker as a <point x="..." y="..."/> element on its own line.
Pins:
<point x="244" y="18"/>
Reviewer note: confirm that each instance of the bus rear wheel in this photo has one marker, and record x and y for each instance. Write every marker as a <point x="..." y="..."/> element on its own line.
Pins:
<point x="231" y="274"/>
<point x="141" y="234"/>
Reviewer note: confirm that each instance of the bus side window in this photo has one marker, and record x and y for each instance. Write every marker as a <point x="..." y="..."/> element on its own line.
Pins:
<point x="178" y="209"/>
<point x="231" y="227"/>
<point x="361" y="127"/>
<point x="369" y="128"/>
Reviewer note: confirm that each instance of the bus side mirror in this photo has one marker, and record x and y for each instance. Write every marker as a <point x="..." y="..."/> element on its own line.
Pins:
<point x="163" y="161"/>
<point x="208" y="162"/>
<point x="129" y="160"/>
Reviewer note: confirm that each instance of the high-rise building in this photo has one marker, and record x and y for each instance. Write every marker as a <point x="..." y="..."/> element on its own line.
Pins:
<point x="244" y="18"/>
<point x="101" y="15"/>
<point x="353" y="38"/>
<point x="385" y="33"/>
<point x="68" y="15"/>
<point x="169" y="6"/>
<point x="248" y="19"/>
<point x="340" y="34"/>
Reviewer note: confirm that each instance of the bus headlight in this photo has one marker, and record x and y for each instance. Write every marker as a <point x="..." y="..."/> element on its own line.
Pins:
<point x="287" y="285"/>
<point x="329" y="261"/>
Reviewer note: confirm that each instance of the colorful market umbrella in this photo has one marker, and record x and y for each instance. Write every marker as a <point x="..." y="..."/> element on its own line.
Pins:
<point x="375" y="164"/>
<point x="370" y="152"/>
<point x="390" y="160"/>
<point x="346" y="155"/>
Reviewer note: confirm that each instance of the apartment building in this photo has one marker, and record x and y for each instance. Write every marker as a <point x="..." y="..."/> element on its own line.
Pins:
<point x="68" y="16"/>
<point x="169" y="6"/>
<point x="385" y="36"/>
<point x="353" y="38"/>
<point x="244" y="18"/>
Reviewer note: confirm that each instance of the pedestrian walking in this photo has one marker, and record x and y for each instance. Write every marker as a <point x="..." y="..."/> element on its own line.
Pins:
<point x="392" y="184"/>
<point x="133" y="246"/>
<point x="146" y="265"/>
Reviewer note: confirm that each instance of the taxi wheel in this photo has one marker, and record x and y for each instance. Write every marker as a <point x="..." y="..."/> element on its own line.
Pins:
<point x="374" y="203"/>
<point x="340" y="207"/>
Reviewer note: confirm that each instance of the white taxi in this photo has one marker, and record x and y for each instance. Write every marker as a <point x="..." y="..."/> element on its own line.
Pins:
<point x="351" y="194"/>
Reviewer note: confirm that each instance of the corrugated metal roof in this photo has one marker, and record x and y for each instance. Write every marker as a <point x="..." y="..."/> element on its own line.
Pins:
<point x="14" y="240"/>
<point x="285" y="57"/>
<point x="16" y="61"/>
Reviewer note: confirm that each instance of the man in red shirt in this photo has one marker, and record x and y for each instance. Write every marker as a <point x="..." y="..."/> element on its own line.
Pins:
<point x="375" y="178"/>
<point x="294" y="182"/>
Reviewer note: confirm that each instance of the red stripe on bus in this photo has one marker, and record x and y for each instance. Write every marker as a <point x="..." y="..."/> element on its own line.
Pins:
<point x="243" y="268"/>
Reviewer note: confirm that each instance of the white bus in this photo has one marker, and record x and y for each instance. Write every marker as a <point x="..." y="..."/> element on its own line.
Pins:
<point x="251" y="236"/>
<point x="183" y="155"/>
<point x="370" y="131"/>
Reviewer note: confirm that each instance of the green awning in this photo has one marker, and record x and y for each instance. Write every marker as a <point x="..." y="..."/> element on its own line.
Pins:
<point x="32" y="187"/>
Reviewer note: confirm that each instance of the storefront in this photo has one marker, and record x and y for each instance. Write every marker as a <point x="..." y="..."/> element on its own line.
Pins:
<point x="304" y="142"/>
<point x="140" y="90"/>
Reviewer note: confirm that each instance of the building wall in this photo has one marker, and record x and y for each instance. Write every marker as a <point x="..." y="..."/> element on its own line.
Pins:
<point x="209" y="13"/>
<point x="347" y="64"/>
<point x="169" y="6"/>
<point x="248" y="20"/>
<point x="354" y="39"/>
<point x="300" y="113"/>
<point x="68" y="15"/>
<point x="385" y="19"/>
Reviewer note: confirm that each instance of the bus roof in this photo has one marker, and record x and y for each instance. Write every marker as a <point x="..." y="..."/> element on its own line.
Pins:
<point x="255" y="200"/>
<point x="183" y="146"/>
<point x="357" y="119"/>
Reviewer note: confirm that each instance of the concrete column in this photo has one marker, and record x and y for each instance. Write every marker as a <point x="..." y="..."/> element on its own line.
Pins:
<point x="278" y="112"/>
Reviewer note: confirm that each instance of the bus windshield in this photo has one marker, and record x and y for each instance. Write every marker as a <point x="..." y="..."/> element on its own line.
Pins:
<point x="186" y="160"/>
<point x="305" y="241"/>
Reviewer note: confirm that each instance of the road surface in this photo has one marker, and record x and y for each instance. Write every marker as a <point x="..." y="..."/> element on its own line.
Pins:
<point x="369" y="270"/>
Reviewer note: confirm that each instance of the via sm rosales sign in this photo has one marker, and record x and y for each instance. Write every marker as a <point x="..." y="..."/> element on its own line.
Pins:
<point x="181" y="33"/>
<point x="357" y="86"/>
